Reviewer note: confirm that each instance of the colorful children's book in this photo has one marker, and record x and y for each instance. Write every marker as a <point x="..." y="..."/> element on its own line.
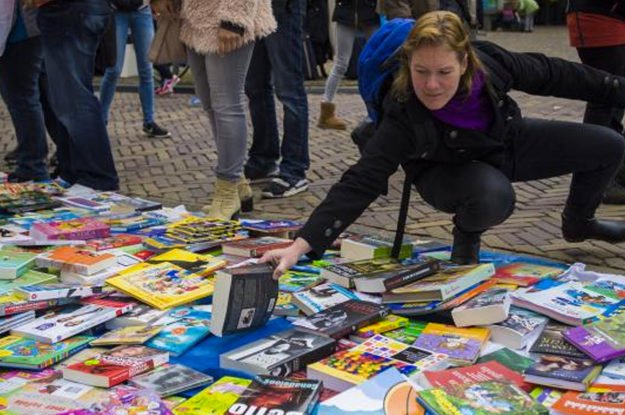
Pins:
<point x="204" y="265"/>
<point x="183" y="327"/>
<point x="215" y="399"/>
<point x="486" y="398"/>
<point x="590" y="403"/>
<point x="602" y="341"/>
<point x="132" y="401"/>
<point x="115" y="366"/>
<point x="563" y="372"/>
<point x="525" y="273"/>
<point x="489" y="307"/>
<point x="481" y="372"/>
<point x="292" y="281"/>
<point x="115" y="241"/>
<point x="279" y="354"/>
<point x="80" y="229"/>
<point x="551" y="341"/>
<point x="384" y="394"/>
<point x="169" y="380"/>
<point x="462" y="345"/>
<point x="162" y="285"/>
<point x="518" y="329"/>
<point x="255" y="247"/>
<point x="127" y="335"/>
<point x="15" y="264"/>
<point x="388" y="323"/>
<point x="268" y="394"/>
<point x="359" y="247"/>
<point x="408" y="334"/>
<point x="23" y="353"/>
<point x="123" y="260"/>
<point x="30" y="277"/>
<point x="320" y="297"/>
<point x="63" y="323"/>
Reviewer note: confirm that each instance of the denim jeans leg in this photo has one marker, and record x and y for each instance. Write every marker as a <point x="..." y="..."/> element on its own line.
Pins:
<point x="142" y="29"/>
<point x="284" y="48"/>
<point x="71" y="32"/>
<point x="265" y="150"/>
<point x="111" y="74"/>
<point x="20" y="68"/>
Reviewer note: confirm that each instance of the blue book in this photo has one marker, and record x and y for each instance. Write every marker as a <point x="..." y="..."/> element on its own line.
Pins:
<point x="185" y="326"/>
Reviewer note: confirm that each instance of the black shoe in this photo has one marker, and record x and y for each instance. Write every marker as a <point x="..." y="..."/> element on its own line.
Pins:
<point x="14" y="177"/>
<point x="466" y="248"/>
<point x="256" y="176"/>
<point x="11" y="156"/>
<point x="578" y="230"/>
<point x="153" y="130"/>
<point x="280" y="187"/>
<point x="614" y="194"/>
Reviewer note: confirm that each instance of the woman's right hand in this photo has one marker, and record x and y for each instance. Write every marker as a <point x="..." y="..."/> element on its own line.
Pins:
<point x="283" y="259"/>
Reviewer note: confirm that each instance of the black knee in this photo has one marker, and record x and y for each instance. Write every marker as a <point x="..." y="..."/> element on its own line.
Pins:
<point x="489" y="204"/>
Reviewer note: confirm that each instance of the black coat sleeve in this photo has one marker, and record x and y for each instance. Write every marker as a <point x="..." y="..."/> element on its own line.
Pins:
<point x="392" y="144"/>
<point x="538" y="74"/>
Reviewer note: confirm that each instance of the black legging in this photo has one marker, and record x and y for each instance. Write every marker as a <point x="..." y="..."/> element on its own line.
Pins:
<point x="481" y="195"/>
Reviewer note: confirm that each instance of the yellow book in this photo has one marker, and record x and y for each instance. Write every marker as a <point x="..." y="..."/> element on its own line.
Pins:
<point x="199" y="264"/>
<point x="215" y="399"/>
<point x="162" y="285"/>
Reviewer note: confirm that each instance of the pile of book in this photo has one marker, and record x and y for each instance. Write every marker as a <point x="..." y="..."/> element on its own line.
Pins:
<point x="111" y="304"/>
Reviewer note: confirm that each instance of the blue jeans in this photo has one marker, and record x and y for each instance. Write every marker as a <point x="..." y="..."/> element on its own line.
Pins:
<point x="277" y="61"/>
<point x="20" y="69"/>
<point x="142" y="27"/>
<point x="71" y="32"/>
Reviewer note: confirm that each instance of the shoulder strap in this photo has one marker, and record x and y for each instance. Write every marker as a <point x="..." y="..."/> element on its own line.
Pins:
<point x="403" y="213"/>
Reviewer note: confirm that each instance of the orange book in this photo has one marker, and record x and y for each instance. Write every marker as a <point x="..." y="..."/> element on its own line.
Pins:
<point x="591" y="403"/>
<point x="73" y="259"/>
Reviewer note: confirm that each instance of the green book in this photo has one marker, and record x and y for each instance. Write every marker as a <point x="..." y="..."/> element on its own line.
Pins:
<point x="509" y="358"/>
<point x="30" y="277"/>
<point x="14" y="264"/>
<point x="24" y="353"/>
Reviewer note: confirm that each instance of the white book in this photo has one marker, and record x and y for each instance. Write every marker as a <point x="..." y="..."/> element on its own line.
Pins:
<point x="321" y="297"/>
<point x="491" y="306"/>
<point x="615" y="369"/>
<point x="518" y="330"/>
<point x="123" y="260"/>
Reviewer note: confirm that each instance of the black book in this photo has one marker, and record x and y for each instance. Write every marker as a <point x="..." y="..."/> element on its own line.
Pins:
<point x="244" y="298"/>
<point x="279" y="354"/>
<point x="273" y="395"/>
<point x="343" y="319"/>
<point x="552" y="341"/>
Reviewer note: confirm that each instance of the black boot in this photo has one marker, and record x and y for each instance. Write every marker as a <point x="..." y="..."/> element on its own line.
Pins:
<point x="466" y="248"/>
<point x="614" y="194"/>
<point x="578" y="230"/>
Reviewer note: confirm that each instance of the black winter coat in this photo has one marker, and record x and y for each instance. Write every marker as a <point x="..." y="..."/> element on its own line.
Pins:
<point x="409" y="136"/>
<point x="356" y="13"/>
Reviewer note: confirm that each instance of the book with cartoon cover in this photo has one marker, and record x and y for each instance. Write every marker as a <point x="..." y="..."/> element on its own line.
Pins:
<point x="24" y="353"/>
<point x="602" y="341"/>
<point x="127" y="335"/>
<point x="462" y="345"/>
<point x="80" y="229"/>
<point x="215" y="399"/>
<point x="525" y="273"/>
<point x="183" y="327"/>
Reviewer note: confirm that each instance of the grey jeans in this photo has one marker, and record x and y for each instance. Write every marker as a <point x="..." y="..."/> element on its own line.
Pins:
<point x="219" y="84"/>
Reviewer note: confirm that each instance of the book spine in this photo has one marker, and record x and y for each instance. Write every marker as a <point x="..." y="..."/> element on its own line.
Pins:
<point x="408" y="277"/>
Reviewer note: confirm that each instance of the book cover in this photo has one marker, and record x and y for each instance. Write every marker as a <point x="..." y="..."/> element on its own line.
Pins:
<point x="127" y="335"/>
<point x="255" y="247"/>
<point x="345" y="273"/>
<point x="124" y="400"/>
<point x="112" y="242"/>
<point x="487" y="398"/>
<point x="162" y="285"/>
<point x="489" y="307"/>
<point x="358" y="247"/>
<point x="387" y="393"/>
<point x="140" y="315"/>
<point x="13" y="235"/>
<point x="75" y="259"/>
<point x="204" y="265"/>
<point x="279" y="354"/>
<point x="524" y="273"/>
<point x="462" y="345"/>
<point x="80" y="229"/>
<point x="30" y="277"/>
<point x="562" y="372"/>
<point x="615" y="369"/>
<point x="14" y="264"/>
<point x="509" y="358"/>
<point x="62" y="323"/>
<point x="414" y="269"/>
<point x="518" y="328"/>
<point x="59" y="290"/>
<point x="183" y="327"/>
<point x="551" y="341"/>
<point x="602" y="341"/>
<point x="408" y="334"/>
<point x="591" y="403"/>
<point x="20" y="352"/>
<point x="276" y="395"/>
<point x="244" y="298"/>
<point x="342" y="319"/>
<point x="11" y="304"/>
<point x="16" y="320"/>
<point x="116" y="200"/>
<point x="321" y="297"/>
<point x="215" y="399"/>
<point x="168" y="380"/>
<point x="123" y="261"/>
<point x="284" y="305"/>
<point x="388" y="323"/>
<point x="478" y="373"/>
<point x="292" y="281"/>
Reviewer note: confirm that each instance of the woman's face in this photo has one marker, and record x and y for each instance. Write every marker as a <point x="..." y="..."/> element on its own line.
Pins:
<point x="436" y="71"/>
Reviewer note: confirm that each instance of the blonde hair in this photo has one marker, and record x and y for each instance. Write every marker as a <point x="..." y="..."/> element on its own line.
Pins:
<point x="435" y="29"/>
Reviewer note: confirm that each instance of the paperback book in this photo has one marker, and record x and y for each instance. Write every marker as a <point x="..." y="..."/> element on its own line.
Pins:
<point x="127" y="335"/>
<point x="602" y="341"/>
<point x="590" y="403"/>
<point x="359" y="247"/>
<point x="389" y="323"/>
<point x="24" y="353"/>
<point x="11" y="304"/>
<point x="215" y="399"/>
<point x="58" y="290"/>
<point x="525" y="273"/>
<point x="16" y="320"/>
<point x="30" y="277"/>
<point x="551" y="341"/>
<point x="14" y="264"/>
<point x="169" y="380"/>
<point x="563" y="372"/>
<point x="278" y="228"/>
<point x="183" y="328"/>
<point x="76" y="260"/>
<point x="123" y="260"/>
<point x="80" y="229"/>
<point x="489" y="307"/>
<point x="140" y="315"/>
<point x="112" y="242"/>
<point x="615" y="369"/>
<point x="509" y="358"/>
<point x="320" y="297"/>
<point x="462" y="345"/>
<point x="478" y="373"/>
<point x="518" y="329"/>
<point x="255" y="247"/>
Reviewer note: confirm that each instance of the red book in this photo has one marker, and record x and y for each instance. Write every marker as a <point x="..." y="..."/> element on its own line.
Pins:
<point x="255" y="247"/>
<point x="481" y="372"/>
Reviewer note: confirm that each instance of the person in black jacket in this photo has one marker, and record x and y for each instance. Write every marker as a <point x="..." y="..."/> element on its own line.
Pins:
<point x="449" y="122"/>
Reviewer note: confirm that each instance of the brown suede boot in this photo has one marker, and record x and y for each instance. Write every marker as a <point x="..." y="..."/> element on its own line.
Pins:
<point x="226" y="203"/>
<point x="327" y="119"/>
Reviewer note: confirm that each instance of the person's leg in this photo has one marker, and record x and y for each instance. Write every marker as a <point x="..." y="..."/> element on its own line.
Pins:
<point x="111" y="74"/>
<point x="547" y="148"/>
<point x="479" y="195"/>
<point x="71" y="32"/>
<point x="284" y="49"/>
<point x="142" y="29"/>
<point x="265" y="150"/>
<point x="20" y="68"/>
<point x="60" y="161"/>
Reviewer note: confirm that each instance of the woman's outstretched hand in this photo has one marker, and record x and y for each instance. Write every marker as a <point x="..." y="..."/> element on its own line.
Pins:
<point x="283" y="259"/>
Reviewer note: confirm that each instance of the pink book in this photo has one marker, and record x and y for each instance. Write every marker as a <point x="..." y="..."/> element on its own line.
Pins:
<point x="73" y="229"/>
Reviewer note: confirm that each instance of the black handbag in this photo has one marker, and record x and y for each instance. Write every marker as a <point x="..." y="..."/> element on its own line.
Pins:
<point x="127" y="5"/>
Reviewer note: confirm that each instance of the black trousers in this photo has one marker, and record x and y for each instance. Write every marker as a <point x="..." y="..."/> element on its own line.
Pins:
<point x="610" y="59"/>
<point x="481" y="195"/>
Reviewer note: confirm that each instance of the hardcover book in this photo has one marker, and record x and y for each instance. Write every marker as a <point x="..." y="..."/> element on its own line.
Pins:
<point x="14" y="264"/>
<point x="358" y="247"/>
<point x="518" y="329"/>
<point x="462" y="345"/>
<point x="551" y="341"/>
<point x="276" y="395"/>
<point x="255" y="247"/>
<point x="162" y="285"/>
<point x="183" y="328"/>
<point x="489" y="307"/>
<point x="602" y="341"/>
<point x="23" y="353"/>
<point x="80" y="229"/>
<point x="486" y="398"/>
<point x="524" y="273"/>
<point x="478" y="373"/>
<point x="343" y="319"/>
<point x="563" y="372"/>
<point x="63" y="323"/>
<point x="169" y="380"/>
<point x="244" y="298"/>
<point x="215" y="399"/>
<point x="115" y="366"/>
<point x="127" y="335"/>
<point x="320" y="297"/>
<point x="509" y="358"/>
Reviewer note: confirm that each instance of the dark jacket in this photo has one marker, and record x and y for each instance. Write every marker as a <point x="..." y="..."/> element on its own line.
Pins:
<point x="611" y="8"/>
<point x="409" y="136"/>
<point x="356" y="13"/>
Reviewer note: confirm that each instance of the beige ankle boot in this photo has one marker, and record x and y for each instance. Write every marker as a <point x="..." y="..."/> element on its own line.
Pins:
<point x="226" y="203"/>
<point x="327" y="119"/>
<point x="246" y="196"/>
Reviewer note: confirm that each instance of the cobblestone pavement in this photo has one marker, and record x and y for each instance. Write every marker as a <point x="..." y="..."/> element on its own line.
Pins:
<point x="178" y="170"/>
